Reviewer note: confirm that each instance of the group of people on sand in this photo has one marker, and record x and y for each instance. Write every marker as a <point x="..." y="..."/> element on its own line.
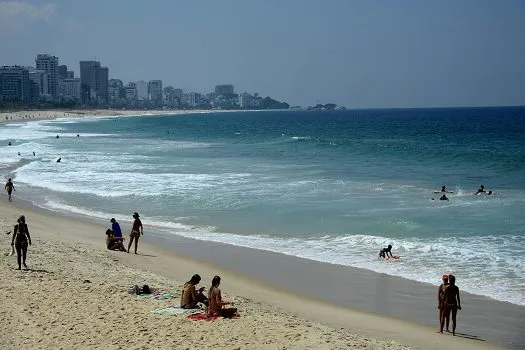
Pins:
<point x="114" y="239"/>
<point x="191" y="297"/>
<point x="449" y="303"/>
<point x="444" y="191"/>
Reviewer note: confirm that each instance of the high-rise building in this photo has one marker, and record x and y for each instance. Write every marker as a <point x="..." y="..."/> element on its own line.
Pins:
<point x="39" y="78"/>
<point x="194" y="99"/>
<point x="49" y="64"/>
<point x="70" y="89"/>
<point x="142" y="90"/>
<point x="62" y="71"/>
<point x="70" y="74"/>
<point x="155" y="90"/>
<point x="15" y="85"/>
<point x="222" y="90"/>
<point x="94" y="82"/>
<point x="245" y="100"/>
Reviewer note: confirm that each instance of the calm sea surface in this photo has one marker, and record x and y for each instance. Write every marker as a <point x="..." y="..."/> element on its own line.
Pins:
<point x="328" y="186"/>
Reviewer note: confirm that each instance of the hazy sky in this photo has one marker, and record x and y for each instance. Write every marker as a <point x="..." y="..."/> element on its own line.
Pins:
<point x="360" y="54"/>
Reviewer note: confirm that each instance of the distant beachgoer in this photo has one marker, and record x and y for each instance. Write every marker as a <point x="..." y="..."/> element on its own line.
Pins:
<point x="58" y="137"/>
<point x="136" y="231"/>
<point x="216" y="302"/>
<point x="113" y="243"/>
<point x="383" y="253"/>
<point x="443" y="198"/>
<point x="444" y="190"/>
<point x="19" y="154"/>
<point x="453" y="303"/>
<point x="481" y="189"/>
<point x="9" y="187"/>
<point x="78" y="135"/>
<point x="58" y="160"/>
<point x="442" y="303"/>
<point x="190" y="297"/>
<point x="20" y="241"/>
<point x="34" y="153"/>
<point x="9" y="144"/>
<point x="115" y="227"/>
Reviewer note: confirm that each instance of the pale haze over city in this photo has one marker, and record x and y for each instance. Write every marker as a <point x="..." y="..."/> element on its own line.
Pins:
<point x="358" y="54"/>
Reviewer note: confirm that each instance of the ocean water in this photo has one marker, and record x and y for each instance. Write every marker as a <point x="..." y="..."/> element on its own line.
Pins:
<point x="332" y="186"/>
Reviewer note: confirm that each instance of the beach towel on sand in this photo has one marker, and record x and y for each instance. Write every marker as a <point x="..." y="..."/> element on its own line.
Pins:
<point x="202" y="316"/>
<point x="172" y="310"/>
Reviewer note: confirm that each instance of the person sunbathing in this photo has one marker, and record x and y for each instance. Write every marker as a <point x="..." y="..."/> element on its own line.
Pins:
<point x="113" y="243"/>
<point x="216" y="303"/>
<point x="190" y="297"/>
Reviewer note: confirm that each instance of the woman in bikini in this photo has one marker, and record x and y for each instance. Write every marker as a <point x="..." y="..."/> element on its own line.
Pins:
<point x="216" y="302"/>
<point x="20" y="241"/>
<point x="136" y="231"/>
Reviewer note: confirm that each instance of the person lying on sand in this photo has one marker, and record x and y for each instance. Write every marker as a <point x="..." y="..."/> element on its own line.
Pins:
<point x="113" y="243"/>
<point x="216" y="302"/>
<point x="190" y="297"/>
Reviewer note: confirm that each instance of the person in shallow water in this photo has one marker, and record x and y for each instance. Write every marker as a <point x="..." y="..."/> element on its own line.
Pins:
<point x="443" y="198"/>
<point x="383" y="253"/>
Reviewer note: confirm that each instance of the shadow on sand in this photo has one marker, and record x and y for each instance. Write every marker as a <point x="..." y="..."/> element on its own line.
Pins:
<point x="39" y="270"/>
<point x="469" y="336"/>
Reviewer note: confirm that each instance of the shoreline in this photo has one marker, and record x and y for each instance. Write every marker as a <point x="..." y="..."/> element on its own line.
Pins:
<point x="285" y="282"/>
<point x="32" y="115"/>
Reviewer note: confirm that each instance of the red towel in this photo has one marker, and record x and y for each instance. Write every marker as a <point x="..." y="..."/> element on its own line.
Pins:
<point x="202" y="316"/>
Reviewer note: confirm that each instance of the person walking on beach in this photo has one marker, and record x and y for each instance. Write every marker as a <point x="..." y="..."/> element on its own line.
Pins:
<point x="9" y="187"/>
<point x="442" y="303"/>
<point x="136" y="231"/>
<point x="453" y="303"/>
<point x="20" y="241"/>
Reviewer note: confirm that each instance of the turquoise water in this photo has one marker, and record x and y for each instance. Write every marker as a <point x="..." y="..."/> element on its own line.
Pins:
<point x="328" y="186"/>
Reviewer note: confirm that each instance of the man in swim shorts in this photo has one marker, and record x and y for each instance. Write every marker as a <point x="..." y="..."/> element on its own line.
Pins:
<point x="453" y="303"/>
<point x="383" y="253"/>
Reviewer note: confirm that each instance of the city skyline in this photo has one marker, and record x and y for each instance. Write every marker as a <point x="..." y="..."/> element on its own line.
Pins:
<point x="360" y="55"/>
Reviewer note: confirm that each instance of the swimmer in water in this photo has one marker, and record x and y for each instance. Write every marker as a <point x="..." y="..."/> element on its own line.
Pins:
<point x="58" y="160"/>
<point x="481" y="189"/>
<point x="443" y="198"/>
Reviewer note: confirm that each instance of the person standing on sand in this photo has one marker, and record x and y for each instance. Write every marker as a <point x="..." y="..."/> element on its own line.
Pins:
<point x="20" y="240"/>
<point x="9" y="187"/>
<point x="136" y="231"/>
<point x="442" y="303"/>
<point x="453" y="303"/>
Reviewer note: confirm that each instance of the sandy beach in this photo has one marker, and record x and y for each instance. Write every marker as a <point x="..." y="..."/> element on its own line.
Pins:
<point x="52" y="305"/>
<point x="53" y="114"/>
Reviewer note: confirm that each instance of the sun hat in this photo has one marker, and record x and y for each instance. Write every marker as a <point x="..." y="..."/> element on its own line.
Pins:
<point x="135" y="214"/>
